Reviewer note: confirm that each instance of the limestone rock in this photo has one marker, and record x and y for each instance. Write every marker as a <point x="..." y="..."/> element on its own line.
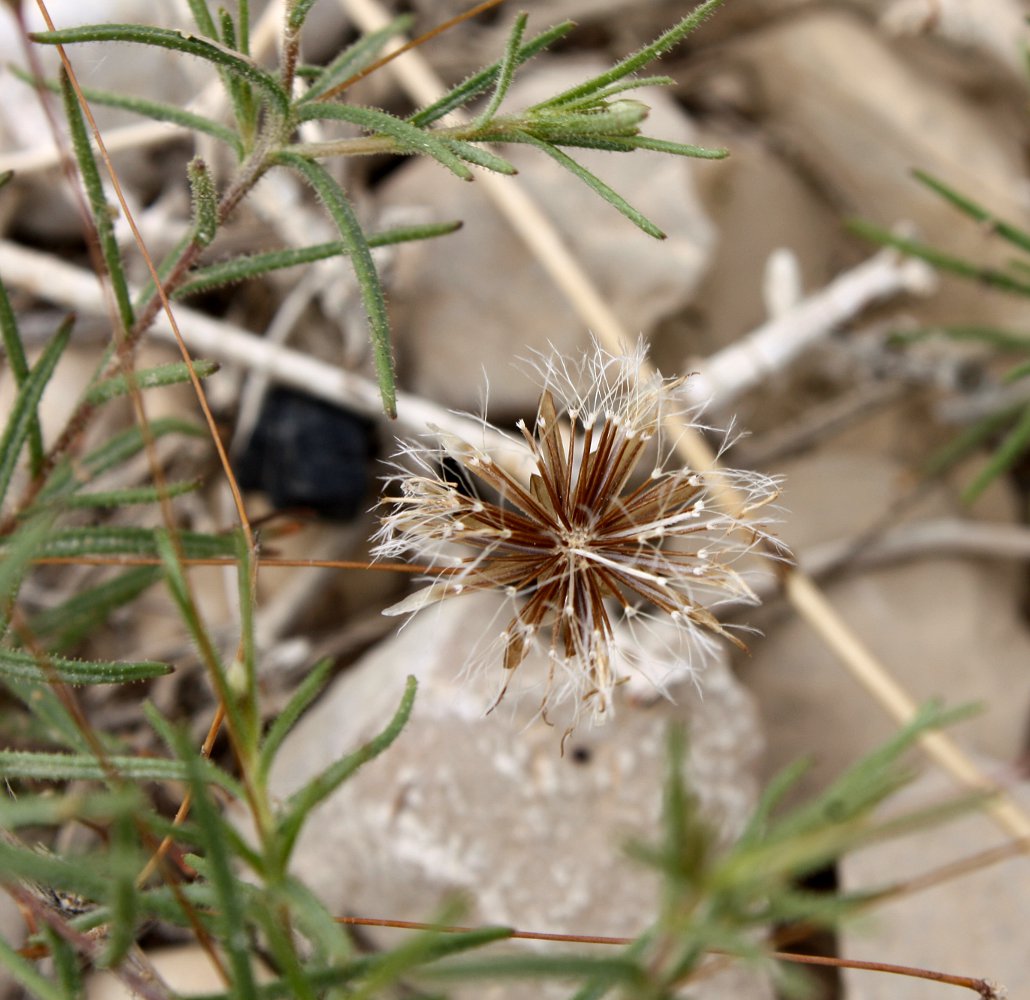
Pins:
<point x="481" y="299"/>
<point x="970" y="925"/>
<point x="947" y="628"/>
<point x="484" y="807"/>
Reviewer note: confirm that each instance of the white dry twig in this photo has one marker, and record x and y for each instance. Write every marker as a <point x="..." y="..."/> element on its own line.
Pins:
<point x="747" y="362"/>
<point x="76" y="288"/>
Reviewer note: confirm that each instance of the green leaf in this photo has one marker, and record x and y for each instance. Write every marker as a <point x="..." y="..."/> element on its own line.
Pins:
<point x="49" y="810"/>
<point x="599" y="97"/>
<point x="232" y="918"/>
<point x="118" y="449"/>
<point x="1001" y="340"/>
<point x="506" y="71"/>
<point x="15" y="665"/>
<point x="340" y="209"/>
<point x="99" y="208"/>
<point x="409" y="138"/>
<point x="1012" y="234"/>
<point x="299" y="10"/>
<point x="485" y="79"/>
<point x="130" y="496"/>
<point x="125" y="862"/>
<point x="356" y="57"/>
<point x="202" y="15"/>
<point x="147" y="108"/>
<point x="75" y="618"/>
<point x="596" y="184"/>
<point x="20" y="370"/>
<point x="1016" y="373"/>
<point x="171" y="550"/>
<point x="969" y="440"/>
<point x="308" y="689"/>
<point x="322" y="785"/>
<point x="1011" y="449"/>
<point x="664" y="43"/>
<point x="23" y="416"/>
<point x="253" y="265"/>
<point x="481" y="157"/>
<point x="205" y="202"/>
<point x="179" y="41"/>
<point x="86" y="767"/>
<point x="945" y="262"/>
<point x="240" y="94"/>
<point x="619" y="144"/>
<point x="27" y="974"/>
<point x="105" y="540"/>
<point x="172" y="373"/>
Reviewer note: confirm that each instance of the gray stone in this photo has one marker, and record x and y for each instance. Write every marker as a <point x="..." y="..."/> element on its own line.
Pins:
<point x="485" y="807"/>
<point x="478" y="299"/>
<point x="946" y="628"/>
<point x="972" y="924"/>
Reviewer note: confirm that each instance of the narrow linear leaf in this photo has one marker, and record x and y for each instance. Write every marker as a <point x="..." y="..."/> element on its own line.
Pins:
<point x="356" y="57"/>
<point x="969" y="440"/>
<point x="306" y="692"/>
<point x="481" y="157"/>
<point x="15" y="665"/>
<point x="1017" y="372"/>
<point x="322" y="785"/>
<point x="1005" y="456"/>
<point x="27" y="974"/>
<point x="86" y="767"/>
<point x="231" y="902"/>
<point x="298" y="14"/>
<point x="598" y="98"/>
<point x="107" y="540"/>
<point x="409" y="138"/>
<point x="179" y="41"/>
<point x="205" y="201"/>
<point x="630" y="143"/>
<point x="506" y="71"/>
<point x="99" y="208"/>
<point x="254" y="265"/>
<point x="171" y="551"/>
<point x="49" y="810"/>
<point x="1012" y="234"/>
<point x="124" y="864"/>
<point x="15" y="352"/>
<point x="173" y="373"/>
<point x="665" y="42"/>
<point x="240" y="94"/>
<point x="120" y="448"/>
<point x="67" y="964"/>
<point x="202" y="15"/>
<point x="129" y="497"/>
<point x="945" y="262"/>
<point x="23" y="416"/>
<point x="340" y="209"/>
<point x="76" y="617"/>
<point x="1001" y="340"/>
<point x="147" y="108"/>
<point x="482" y="81"/>
<point x="596" y="184"/>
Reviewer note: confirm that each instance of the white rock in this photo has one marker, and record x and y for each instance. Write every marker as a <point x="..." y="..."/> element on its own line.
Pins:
<point x="947" y="628"/>
<point x="485" y="807"/>
<point x="971" y="925"/>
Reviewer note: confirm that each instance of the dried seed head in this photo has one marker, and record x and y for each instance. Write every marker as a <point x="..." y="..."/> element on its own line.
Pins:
<point x="602" y="533"/>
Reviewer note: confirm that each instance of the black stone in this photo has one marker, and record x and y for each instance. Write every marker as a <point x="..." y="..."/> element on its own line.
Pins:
<point x="305" y="453"/>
